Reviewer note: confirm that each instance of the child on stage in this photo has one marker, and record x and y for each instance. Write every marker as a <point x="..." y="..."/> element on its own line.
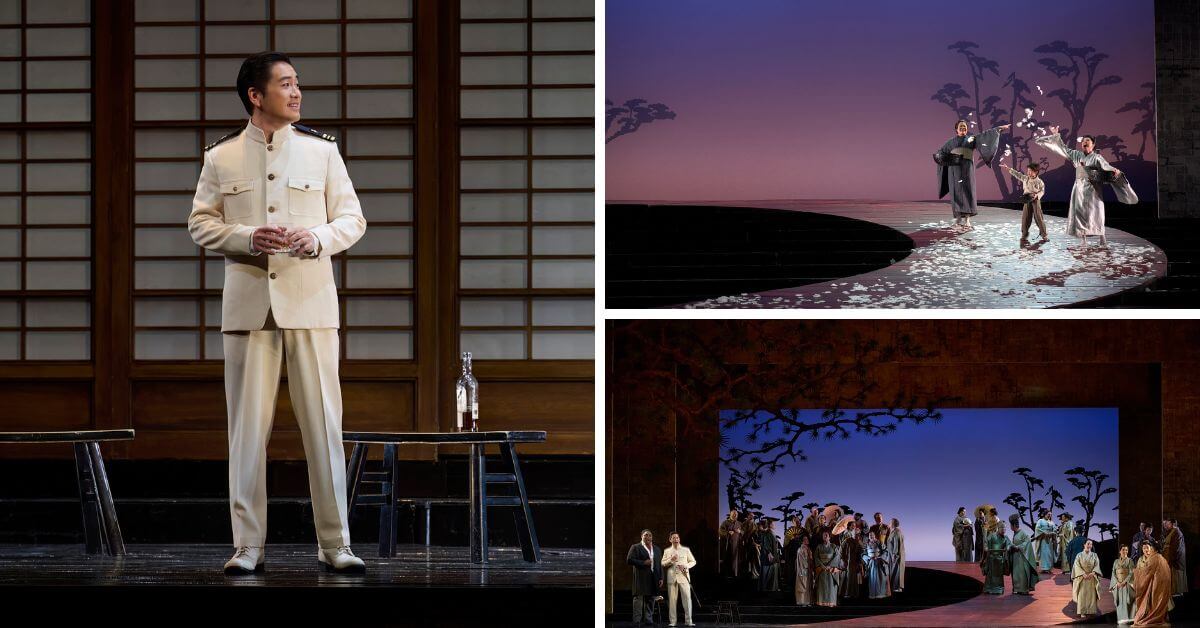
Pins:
<point x="1034" y="188"/>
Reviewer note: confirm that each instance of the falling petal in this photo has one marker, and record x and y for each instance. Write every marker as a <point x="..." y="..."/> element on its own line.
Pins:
<point x="970" y="114"/>
<point x="1079" y="139"/>
<point x="1043" y="113"/>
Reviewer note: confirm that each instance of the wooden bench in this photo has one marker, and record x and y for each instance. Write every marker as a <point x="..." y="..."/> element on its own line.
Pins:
<point x="426" y="505"/>
<point x="478" y="486"/>
<point x="101" y="531"/>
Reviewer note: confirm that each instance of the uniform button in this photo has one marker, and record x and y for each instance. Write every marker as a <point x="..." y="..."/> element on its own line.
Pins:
<point x="270" y="177"/>
<point x="269" y="147"/>
<point x="270" y="209"/>
<point x="272" y="275"/>
<point x="235" y="188"/>
<point x="306" y="186"/>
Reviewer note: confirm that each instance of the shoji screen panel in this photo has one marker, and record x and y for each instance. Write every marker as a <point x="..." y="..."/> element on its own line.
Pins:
<point x="525" y="181"/>
<point x="46" y="194"/>
<point x="355" y="63"/>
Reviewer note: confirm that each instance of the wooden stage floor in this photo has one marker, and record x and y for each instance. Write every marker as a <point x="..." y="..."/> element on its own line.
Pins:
<point x="420" y="586"/>
<point x="1050" y="604"/>
<point x="983" y="268"/>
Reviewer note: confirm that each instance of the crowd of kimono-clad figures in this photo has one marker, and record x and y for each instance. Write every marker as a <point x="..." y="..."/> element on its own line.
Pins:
<point x="1145" y="577"/>
<point x="832" y="555"/>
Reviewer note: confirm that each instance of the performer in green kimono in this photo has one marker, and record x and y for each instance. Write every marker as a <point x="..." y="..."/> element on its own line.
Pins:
<point x="828" y="563"/>
<point x="1121" y="586"/>
<point x="876" y="563"/>
<point x="963" y="537"/>
<point x="1045" y="541"/>
<point x="995" y="560"/>
<point x="1021" y="558"/>
<point x="1085" y="581"/>
<point x="1066" y="532"/>
<point x="895" y="549"/>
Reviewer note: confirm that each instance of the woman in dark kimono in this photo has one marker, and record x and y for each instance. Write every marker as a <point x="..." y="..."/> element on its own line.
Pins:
<point x="962" y="537"/>
<point x="956" y="167"/>
<point x="771" y="554"/>
<point x="852" y="556"/>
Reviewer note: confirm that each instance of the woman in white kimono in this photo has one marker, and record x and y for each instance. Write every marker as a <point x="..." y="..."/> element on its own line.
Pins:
<point x="804" y="573"/>
<point x="1086" y="215"/>
<point x="1121" y="586"/>
<point x="1045" y="540"/>
<point x="895" y="549"/>
<point x="1085" y="581"/>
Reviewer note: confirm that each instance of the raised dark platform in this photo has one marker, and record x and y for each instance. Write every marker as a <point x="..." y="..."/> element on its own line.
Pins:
<point x="181" y="584"/>
<point x="666" y="255"/>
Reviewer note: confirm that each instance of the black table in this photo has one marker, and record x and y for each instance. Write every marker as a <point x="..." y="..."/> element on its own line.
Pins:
<point x="480" y="481"/>
<point x="101" y="531"/>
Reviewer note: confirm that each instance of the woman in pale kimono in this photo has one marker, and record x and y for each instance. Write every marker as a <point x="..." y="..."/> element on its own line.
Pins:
<point x="751" y="549"/>
<point x="1085" y="581"/>
<point x="995" y="560"/>
<point x="956" y="167"/>
<point x="1152" y="587"/>
<point x="1086" y="214"/>
<point x="1066" y="532"/>
<point x="1045" y="541"/>
<point x="963" y="537"/>
<point x="1121" y="586"/>
<point x="731" y="544"/>
<point x="876" y="564"/>
<point x="895" y="549"/>
<point x="804" y="573"/>
<point x="1021" y="557"/>
<point x="851" y="550"/>
<point x="827" y="564"/>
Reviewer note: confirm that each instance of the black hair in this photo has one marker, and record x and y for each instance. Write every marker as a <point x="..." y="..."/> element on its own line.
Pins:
<point x="255" y="72"/>
<point x="1034" y="166"/>
<point x="961" y="122"/>
<point x="1089" y="137"/>
<point x="961" y="509"/>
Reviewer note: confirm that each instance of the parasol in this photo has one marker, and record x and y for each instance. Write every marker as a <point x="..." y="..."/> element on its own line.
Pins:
<point x="842" y="524"/>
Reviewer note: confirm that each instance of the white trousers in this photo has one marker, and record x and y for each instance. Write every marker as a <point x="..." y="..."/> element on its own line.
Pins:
<point x="252" y="369"/>
<point x="679" y="591"/>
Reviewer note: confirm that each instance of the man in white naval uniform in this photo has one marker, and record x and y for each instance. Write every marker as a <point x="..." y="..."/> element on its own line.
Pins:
<point x="275" y="305"/>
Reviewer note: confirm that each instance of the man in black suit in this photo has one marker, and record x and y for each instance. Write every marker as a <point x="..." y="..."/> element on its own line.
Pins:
<point x="646" y="560"/>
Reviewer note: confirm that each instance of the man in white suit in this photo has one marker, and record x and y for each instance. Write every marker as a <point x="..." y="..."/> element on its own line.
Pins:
<point x="678" y="561"/>
<point x="273" y="305"/>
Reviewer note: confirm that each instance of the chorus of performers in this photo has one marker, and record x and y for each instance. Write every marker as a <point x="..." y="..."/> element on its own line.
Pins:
<point x="1144" y="578"/>
<point x="1085" y="217"/>
<point x="827" y="557"/>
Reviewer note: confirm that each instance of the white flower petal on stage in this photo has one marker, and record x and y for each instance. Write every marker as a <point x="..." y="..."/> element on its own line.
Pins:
<point x="969" y="114"/>
<point x="960" y="180"/>
<point x="1043" y="113"/>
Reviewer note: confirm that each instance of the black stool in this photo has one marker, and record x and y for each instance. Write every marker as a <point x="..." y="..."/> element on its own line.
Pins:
<point x="101" y="532"/>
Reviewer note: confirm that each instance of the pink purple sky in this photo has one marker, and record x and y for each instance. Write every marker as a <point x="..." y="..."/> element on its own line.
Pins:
<point x="789" y="99"/>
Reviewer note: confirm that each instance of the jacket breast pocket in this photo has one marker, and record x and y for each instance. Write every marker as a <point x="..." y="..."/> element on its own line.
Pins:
<point x="306" y="196"/>
<point x="235" y="194"/>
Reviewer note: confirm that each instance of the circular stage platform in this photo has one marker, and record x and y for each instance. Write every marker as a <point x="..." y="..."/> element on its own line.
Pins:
<point x="986" y="267"/>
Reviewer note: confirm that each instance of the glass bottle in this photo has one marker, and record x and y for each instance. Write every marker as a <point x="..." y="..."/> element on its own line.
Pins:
<point x="466" y="391"/>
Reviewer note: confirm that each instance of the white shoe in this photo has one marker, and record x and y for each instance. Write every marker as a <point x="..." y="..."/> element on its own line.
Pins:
<point x="340" y="560"/>
<point x="246" y="560"/>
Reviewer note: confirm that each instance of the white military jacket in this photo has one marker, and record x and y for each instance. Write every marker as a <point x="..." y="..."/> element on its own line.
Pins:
<point x="246" y="183"/>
